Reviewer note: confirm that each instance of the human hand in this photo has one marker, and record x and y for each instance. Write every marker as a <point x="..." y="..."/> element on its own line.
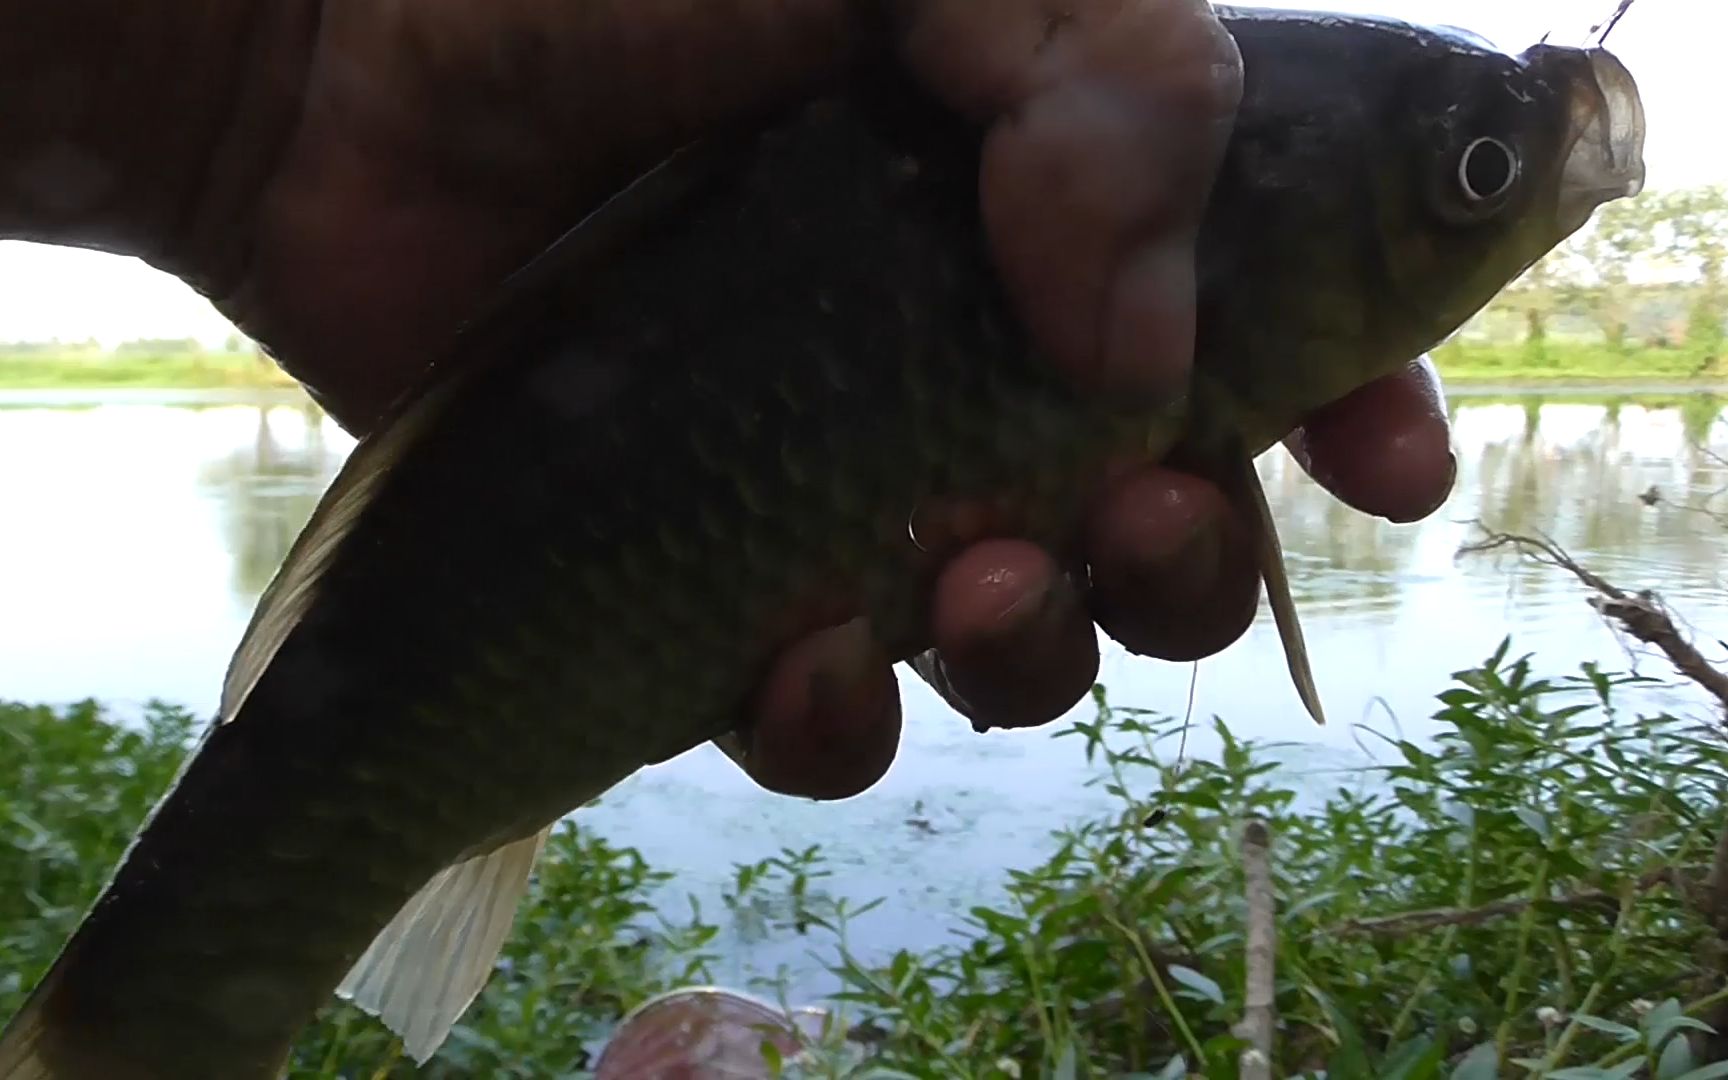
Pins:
<point x="380" y="167"/>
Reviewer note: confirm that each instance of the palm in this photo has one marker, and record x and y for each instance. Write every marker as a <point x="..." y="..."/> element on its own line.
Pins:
<point x="442" y="145"/>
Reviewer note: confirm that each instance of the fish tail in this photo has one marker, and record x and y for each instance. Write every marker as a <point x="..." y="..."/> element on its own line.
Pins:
<point x="52" y="1038"/>
<point x="36" y="1046"/>
<point x="176" y="970"/>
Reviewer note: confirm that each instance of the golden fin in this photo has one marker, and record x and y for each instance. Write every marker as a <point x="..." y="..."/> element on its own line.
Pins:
<point x="1278" y="593"/>
<point x="295" y="586"/>
<point x="423" y="970"/>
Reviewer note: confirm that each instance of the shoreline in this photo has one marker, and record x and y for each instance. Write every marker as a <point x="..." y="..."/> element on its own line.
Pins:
<point x="1456" y="384"/>
<point x="1465" y="370"/>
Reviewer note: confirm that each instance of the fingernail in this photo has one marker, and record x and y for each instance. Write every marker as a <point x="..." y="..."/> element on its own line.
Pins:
<point x="1148" y="343"/>
<point x="1031" y="612"/>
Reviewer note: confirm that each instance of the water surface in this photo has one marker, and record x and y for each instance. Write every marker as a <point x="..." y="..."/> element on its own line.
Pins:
<point x="140" y="528"/>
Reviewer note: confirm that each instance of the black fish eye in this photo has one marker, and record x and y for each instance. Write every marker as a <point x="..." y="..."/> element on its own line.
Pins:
<point x="1487" y="170"/>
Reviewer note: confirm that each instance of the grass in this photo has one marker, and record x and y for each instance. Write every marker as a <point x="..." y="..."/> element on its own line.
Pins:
<point x="94" y="370"/>
<point x="1463" y="361"/>
<point x="1526" y="896"/>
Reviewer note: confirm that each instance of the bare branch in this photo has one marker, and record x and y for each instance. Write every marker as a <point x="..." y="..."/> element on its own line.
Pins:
<point x="1640" y="614"/>
<point x="1411" y="922"/>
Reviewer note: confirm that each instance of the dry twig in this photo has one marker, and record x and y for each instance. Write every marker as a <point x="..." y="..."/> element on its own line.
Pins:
<point x="1261" y="953"/>
<point x="1640" y="614"/>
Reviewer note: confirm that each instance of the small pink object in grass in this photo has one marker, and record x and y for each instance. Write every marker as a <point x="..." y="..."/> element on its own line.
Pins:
<point x="704" y="1033"/>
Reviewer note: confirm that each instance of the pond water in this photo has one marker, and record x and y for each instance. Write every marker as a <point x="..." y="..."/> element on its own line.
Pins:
<point x="139" y="529"/>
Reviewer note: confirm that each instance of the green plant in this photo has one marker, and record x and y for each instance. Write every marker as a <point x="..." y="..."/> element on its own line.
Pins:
<point x="1531" y="893"/>
<point x="1493" y="908"/>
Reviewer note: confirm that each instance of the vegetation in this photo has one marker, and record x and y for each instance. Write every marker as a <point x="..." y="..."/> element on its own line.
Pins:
<point x="1638" y="295"/>
<point x="170" y="364"/>
<point x="1536" y="893"/>
<point x="1467" y="361"/>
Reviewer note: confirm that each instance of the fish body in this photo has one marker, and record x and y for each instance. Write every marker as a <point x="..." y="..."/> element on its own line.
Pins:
<point x="704" y="426"/>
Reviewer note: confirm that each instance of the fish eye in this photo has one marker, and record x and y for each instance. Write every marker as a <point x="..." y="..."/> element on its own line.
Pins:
<point x="1486" y="170"/>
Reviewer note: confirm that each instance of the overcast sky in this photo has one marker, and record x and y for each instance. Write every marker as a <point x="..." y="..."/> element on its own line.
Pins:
<point x="1677" y="50"/>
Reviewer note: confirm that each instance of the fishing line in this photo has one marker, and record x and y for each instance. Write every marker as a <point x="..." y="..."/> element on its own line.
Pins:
<point x="1158" y="814"/>
<point x="1601" y="29"/>
<point x="1607" y="26"/>
<point x="1187" y="719"/>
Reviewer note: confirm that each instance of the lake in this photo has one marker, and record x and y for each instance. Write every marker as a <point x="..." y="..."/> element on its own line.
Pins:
<point x="140" y="528"/>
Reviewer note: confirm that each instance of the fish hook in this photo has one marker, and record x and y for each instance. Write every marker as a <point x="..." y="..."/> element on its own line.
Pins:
<point x="912" y="530"/>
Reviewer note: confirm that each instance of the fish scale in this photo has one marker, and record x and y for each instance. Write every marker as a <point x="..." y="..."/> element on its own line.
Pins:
<point x="710" y="423"/>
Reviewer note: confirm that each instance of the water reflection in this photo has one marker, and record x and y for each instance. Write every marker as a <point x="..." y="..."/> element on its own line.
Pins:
<point x="269" y="488"/>
<point x="140" y="532"/>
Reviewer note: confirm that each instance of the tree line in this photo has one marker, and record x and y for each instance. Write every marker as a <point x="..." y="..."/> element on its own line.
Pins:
<point x="1646" y="271"/>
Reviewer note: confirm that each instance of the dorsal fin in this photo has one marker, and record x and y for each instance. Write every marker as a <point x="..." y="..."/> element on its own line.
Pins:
<point x="484" y="341"/>
<point x="424" y="969"/>
<point x="295" y="586"/>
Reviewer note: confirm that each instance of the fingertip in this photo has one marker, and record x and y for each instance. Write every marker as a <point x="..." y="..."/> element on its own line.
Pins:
<point x="1174" y="573"/>
<point x="826" y="721"/>
<point x="1385" y="448"/>
<point x="1014" y="644"/>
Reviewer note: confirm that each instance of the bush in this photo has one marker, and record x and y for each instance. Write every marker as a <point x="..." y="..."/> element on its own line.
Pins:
<point x="1532" y="894"/>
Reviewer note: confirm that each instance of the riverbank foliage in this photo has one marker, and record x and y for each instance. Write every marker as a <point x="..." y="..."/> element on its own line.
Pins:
<point x="148" y="366"/>
<point x="1462" y="361"/>
<point x="1536" y="892"/>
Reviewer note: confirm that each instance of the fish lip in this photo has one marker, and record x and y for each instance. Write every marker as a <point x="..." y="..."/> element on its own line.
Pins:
<point x="1606" y="158"/>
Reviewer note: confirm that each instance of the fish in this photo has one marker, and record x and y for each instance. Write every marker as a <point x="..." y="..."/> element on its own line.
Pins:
<point x="698" y="427"/>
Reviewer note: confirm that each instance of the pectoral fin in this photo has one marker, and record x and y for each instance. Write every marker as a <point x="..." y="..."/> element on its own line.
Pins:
<point x="423" y="970"/>
<point x="1278" y="591"/>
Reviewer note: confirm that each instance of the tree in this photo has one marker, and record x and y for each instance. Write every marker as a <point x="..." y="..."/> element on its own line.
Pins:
<point x="1620" y="232"/>
<point x="1536" y="295"/>
<point x="1698" y="220"/>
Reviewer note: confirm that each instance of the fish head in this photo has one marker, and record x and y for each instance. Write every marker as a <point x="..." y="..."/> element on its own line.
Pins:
<point x="1384" y="182"/>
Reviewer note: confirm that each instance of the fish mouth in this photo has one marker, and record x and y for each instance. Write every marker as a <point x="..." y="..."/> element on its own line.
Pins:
<point x="1606" y="159"/>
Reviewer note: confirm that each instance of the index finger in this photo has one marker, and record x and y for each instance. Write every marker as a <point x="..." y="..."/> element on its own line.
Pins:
<point x="1110" y="118"/>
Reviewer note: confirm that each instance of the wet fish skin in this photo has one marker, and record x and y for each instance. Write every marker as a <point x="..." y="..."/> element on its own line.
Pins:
<point x="580" y="559"/>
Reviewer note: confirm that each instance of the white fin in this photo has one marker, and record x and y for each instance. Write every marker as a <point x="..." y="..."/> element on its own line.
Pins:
<point x="1278" y="595"/>
<point x="295" y="585"/>
<point x="423" y="970"/>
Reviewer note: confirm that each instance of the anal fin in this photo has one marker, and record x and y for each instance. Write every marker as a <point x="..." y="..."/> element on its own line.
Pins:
<point x="424" y="969"/>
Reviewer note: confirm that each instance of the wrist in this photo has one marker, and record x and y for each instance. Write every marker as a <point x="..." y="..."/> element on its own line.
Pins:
<point x="147" y="129"/>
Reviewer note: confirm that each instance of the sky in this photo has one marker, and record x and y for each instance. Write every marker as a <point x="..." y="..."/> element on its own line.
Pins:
<point x="1674" y="48"/>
